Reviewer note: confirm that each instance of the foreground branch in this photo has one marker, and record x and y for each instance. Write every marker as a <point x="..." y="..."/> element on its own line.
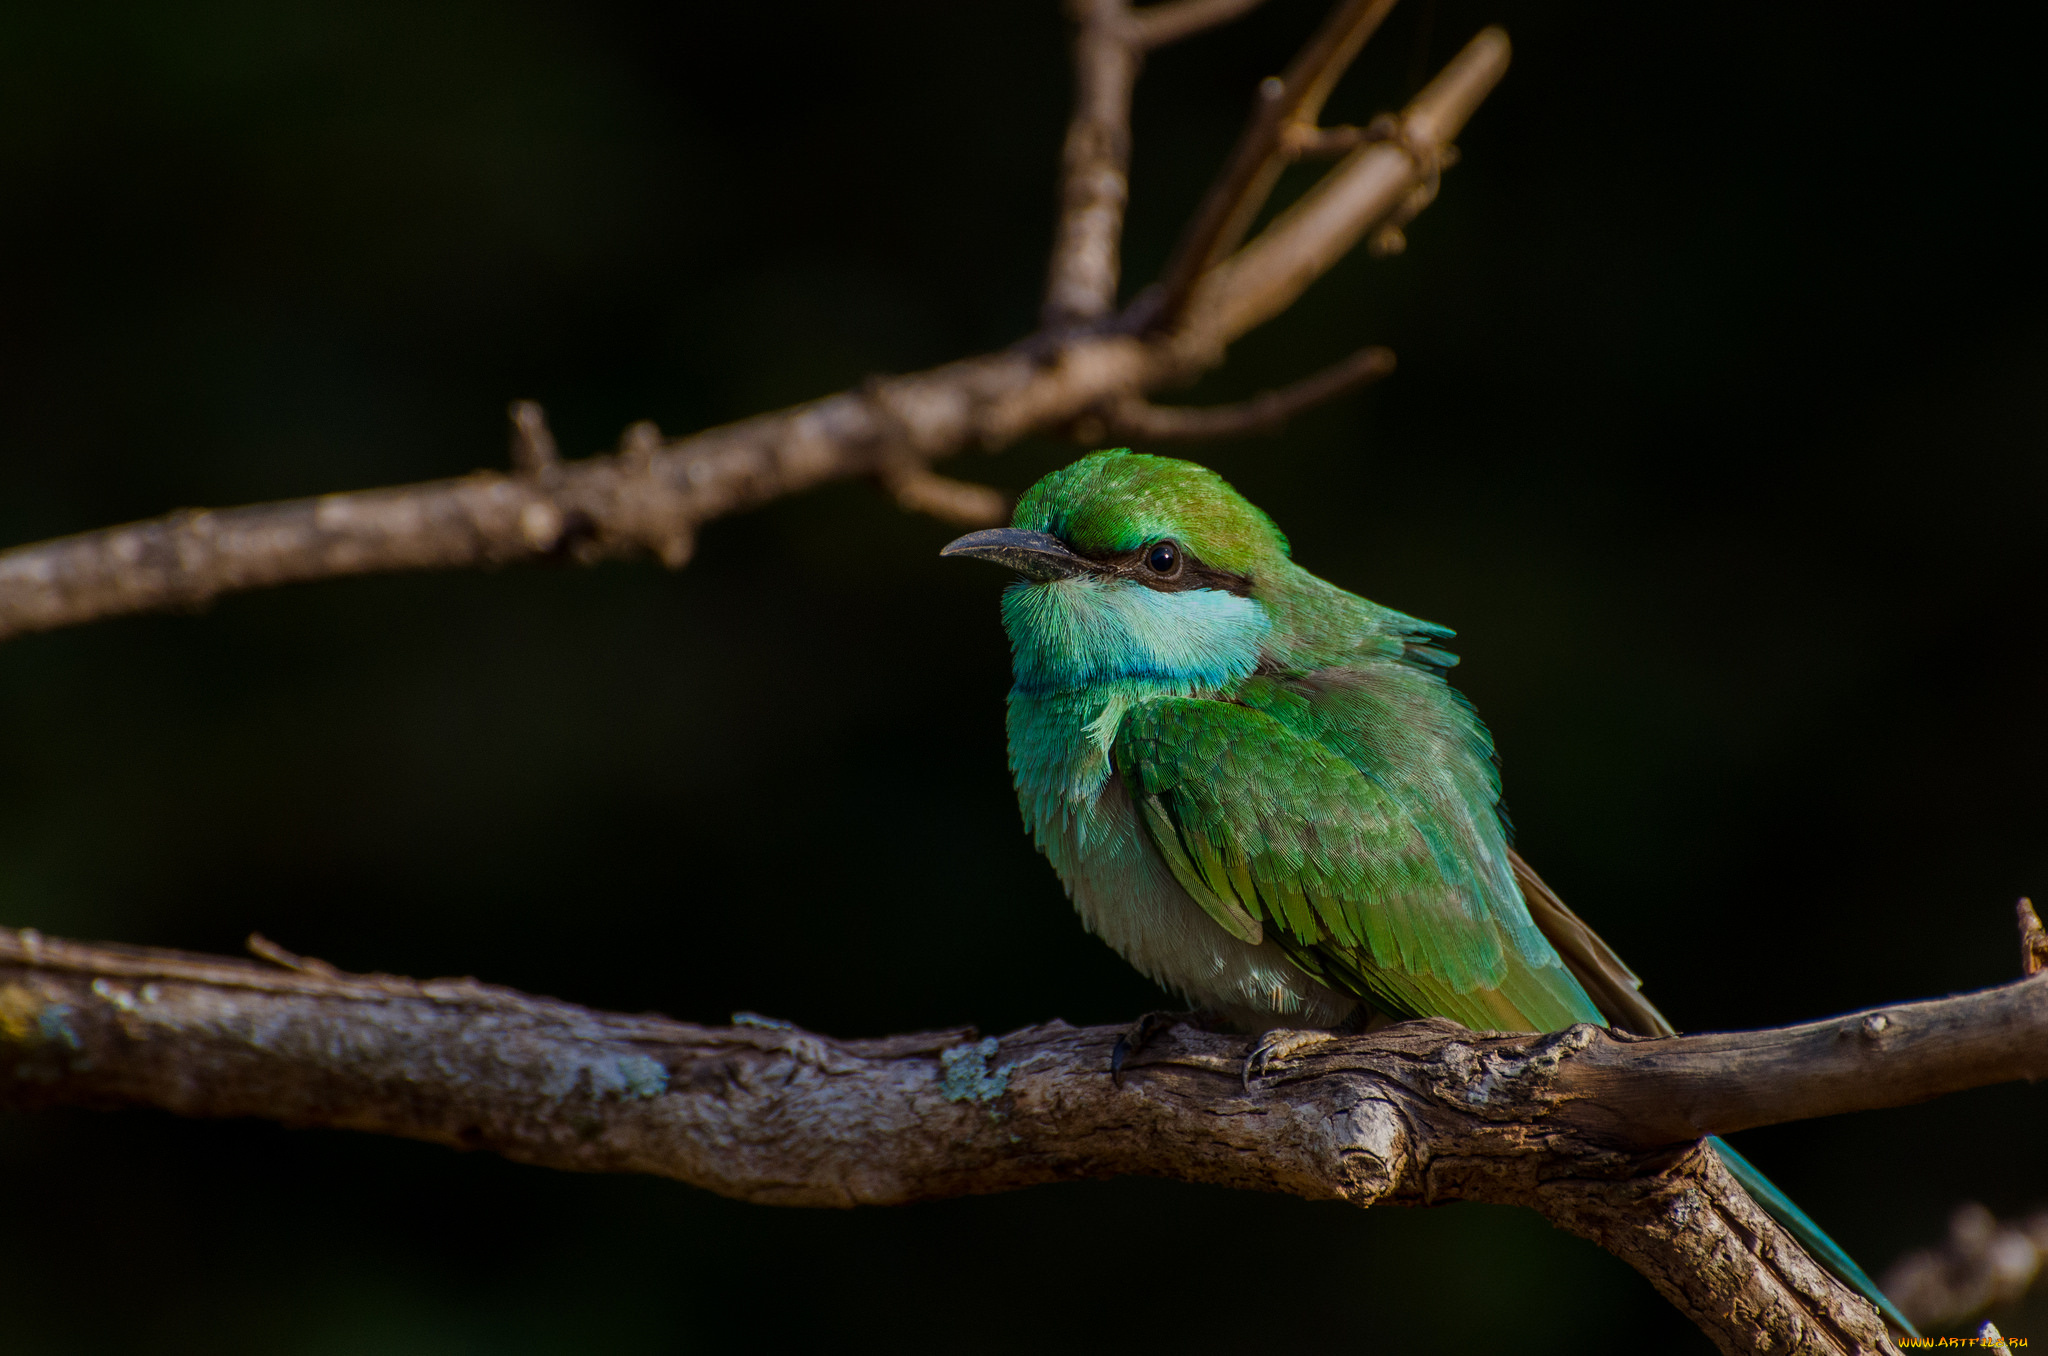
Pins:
<point x="1594" y="1131"/>
<point x="655" y="494"/>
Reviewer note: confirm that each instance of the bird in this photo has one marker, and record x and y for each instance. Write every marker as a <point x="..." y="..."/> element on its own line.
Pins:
<point x="1264" y="793"/>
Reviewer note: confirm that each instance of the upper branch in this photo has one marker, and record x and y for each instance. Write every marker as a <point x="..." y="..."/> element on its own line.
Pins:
<point x="1094" y="168"/>
<point x="654" y="494"/>
<point x="1384" y="177"/>
<point x="1158" y="25"/>
<point x="1285" y="103"/>
<point x="1110" y="42"/>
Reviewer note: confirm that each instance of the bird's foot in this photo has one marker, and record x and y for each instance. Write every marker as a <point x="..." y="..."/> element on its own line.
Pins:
<point x="1143" y="1032"/>
<point x="1276" y="1047"/>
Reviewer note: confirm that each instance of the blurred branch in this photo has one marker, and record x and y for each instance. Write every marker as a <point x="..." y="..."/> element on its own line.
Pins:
<point x="948" y="500"/>
<point x="1095" y="167"/>
<point x="1597" y="1132"/>
<point x="656" y="493"/>
<point x="1982" y="1263"/>
<point x="533" y="443"/>
<point x="1158" y="25"/>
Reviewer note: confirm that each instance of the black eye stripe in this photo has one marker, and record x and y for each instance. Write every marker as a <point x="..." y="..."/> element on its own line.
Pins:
<point x="1186" y="572"/>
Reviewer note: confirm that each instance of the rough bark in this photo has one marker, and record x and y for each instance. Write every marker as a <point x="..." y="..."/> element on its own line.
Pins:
<point x="1596" y="1132"/>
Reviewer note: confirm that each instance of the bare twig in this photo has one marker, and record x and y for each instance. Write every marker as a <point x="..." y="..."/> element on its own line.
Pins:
<point x="1585" y="1127"/>
<point x="1370" y="184"/>
<point x="1282" y="122"/>
<point x="263" y="948"/>
<point x="654" y="495"/>
<point x="1139" y="420"/>
<point x="1305" y="142"/>
<point x="533" y="444"/>
<point x="949" y="500"/>
<point x="2033" y="939"/>
<point x="1158" y="25"/>
<point x="1110" y="42"/>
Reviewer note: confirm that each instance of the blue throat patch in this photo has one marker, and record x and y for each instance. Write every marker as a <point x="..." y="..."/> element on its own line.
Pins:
<point x="1075" y="633"/>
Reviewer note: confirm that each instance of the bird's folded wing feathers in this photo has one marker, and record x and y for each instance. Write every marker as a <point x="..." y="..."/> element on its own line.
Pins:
<point x="1335" y="866"/>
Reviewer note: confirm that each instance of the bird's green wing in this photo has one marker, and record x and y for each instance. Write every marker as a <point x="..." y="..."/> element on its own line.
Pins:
<point x="1365" y="887"/>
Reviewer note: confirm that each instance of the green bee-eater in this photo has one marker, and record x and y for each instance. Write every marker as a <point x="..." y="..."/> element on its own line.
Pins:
<point x="1263" y="793"/>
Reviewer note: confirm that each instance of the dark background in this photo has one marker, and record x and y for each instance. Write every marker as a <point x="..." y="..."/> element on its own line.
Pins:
<point x="1718" y="434"/>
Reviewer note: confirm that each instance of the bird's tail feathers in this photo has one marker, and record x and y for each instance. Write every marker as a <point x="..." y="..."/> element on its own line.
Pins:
<point x="1823" y="1249"/>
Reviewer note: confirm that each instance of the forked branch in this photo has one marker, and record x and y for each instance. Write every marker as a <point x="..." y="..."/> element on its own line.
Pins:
<point x="1281" y="126"/>
<point x="1110" y="42"/>
<point x="1087" y="368"/>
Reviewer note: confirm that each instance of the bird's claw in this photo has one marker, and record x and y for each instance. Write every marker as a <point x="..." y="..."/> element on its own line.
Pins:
<point x="1274" y="1047"/>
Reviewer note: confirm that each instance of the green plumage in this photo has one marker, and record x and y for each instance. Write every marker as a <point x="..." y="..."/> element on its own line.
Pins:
<point x="1364" y="887"/>
<point x="1261" y="790"/>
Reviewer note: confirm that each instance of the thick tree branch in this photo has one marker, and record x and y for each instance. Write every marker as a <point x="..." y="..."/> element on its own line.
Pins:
<point x="1676" y="1089"/>
<point x="1596" y="1132"/>
<point x="655" y="494"/>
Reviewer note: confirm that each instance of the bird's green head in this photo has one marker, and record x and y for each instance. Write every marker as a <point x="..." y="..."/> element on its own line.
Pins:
<point x="1160" y="522"/>
<point x="1110" y="503"/>
<point x="1135" y="567"/>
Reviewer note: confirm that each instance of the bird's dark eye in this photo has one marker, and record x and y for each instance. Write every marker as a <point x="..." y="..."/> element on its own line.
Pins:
<point x="1162" y="558"/>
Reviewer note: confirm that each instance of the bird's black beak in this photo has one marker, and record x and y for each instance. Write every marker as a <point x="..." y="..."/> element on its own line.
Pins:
<point x="1035" y="555"/>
